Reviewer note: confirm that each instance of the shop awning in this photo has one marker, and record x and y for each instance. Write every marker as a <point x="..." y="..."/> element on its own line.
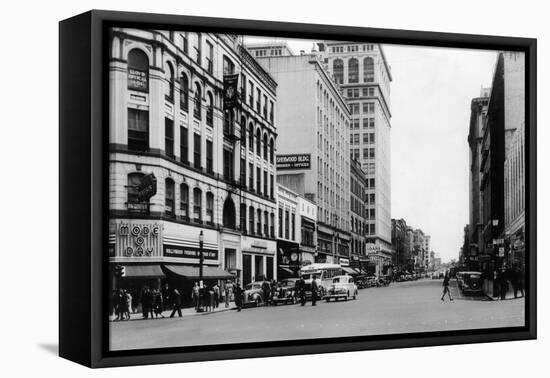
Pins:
<point x="192" y="272"/>
<point x="349" y="270"/>
<point x="143" y="271"/>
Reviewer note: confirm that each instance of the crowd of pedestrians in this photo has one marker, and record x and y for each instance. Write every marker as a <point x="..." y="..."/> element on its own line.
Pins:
<point x="505" y="276"/>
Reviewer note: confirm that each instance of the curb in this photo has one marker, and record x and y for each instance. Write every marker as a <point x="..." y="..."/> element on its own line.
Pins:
<point x="168" y="317"/>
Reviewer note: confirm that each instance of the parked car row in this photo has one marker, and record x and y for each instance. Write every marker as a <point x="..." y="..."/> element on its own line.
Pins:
<point x="286" y="291"/>
<point x="470" y="282"/>
<point x="364" y="281"/>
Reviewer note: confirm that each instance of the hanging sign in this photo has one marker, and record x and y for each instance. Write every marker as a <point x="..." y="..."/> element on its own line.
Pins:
<point x="230" y="83"/>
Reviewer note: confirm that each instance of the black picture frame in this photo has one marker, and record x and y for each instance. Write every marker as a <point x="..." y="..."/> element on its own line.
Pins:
<point x="83" y="197"/>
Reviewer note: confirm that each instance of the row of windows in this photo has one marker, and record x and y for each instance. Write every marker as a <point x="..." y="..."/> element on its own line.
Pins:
<point x="353" y="70"/>
<point x="257" y="185"/>
<point x="256" y="224"/>
<point x="365" y="92"/>
<point x="289" y="224"/>
<point x="368" y="123"/>
<point x="368" y="153"/>
<point x="368" y="138"/>
<point x="351" y="48"/>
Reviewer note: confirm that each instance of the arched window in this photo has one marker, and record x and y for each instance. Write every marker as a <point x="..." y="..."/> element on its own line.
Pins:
<point x="229" y="213"/>
<point x="197" y="204"/>
<point x="138" y="70"/>
<point x="135" y="204"/>
<point x="169" y="77"/>
<point x="184" y="200"/>
<point x="210" y="208"/>
<point x="353" y="71"/>
<point x="271" y="150"/>
<point x="368" y="70"/>
<point x="272" y="225"/>
<point x="169" y="197"/>
<point x="258" y="143"/>
<point x="251" y="219"/>
<point x="184" y="92"/>
<point x="198" y="103"/>
<point x="209" y="109"/>
<point x="243" y="131"/>
<point x="251" y="135"/>
<point x="338" y="71"/>
<point x="243" y="217"/>
<point x="265" y="146"/>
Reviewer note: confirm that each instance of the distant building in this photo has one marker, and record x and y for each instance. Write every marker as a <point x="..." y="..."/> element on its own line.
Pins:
<point x="313" y="147"/>
<point x="358" y="215"/>
<point x="364" y="76"/>
<point x="288" y="233"/>
<point x="402" y="245"/>
<point x="478" y="116"/>
<point x="502" y="188"/>
<point x="266" y="50"/>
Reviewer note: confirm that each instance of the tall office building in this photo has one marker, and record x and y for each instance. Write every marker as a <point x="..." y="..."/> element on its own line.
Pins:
<point x="313" y="147"/>
<point x="364" y="76"/>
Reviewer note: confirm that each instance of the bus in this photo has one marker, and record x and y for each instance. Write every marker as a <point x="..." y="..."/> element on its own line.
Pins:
<point x="324" y="273"/>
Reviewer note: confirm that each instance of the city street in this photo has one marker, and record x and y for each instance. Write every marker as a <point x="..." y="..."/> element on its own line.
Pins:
<point x="402" y="307"/>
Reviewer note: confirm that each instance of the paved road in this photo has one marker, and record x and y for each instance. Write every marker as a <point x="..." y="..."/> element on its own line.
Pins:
<point x="401" y="307"/>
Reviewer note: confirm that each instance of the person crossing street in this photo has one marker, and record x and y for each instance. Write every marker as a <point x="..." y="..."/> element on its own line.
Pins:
<point x="446" y="290"/>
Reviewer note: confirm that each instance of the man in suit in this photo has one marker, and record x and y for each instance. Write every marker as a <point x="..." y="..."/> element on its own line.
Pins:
<point x="237" y="290"/>
<point x="314" y="290"/>
<point x="301" y="286"/>
<point x="176" y="303"/>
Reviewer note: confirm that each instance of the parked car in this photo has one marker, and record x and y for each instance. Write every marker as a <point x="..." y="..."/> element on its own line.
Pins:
<point x="361" y="281"/>
<point x="342" y="287"/>
<point x="285" y="292"/>
<point x="470" y="282"/>
<point x="253" y="294"/>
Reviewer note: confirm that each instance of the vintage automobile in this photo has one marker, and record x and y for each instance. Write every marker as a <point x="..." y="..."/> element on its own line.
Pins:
<point x="470" y="282"/>
<point x="342" y="287"/>
<point x="285" y="292"/>
<point x="253" y="294"/>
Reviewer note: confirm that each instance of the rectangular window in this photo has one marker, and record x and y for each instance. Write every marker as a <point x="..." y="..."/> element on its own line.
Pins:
<point x="271" y="186"/>
<point x="365" y="138"/>
<point x="169" y="137"/>
<point x="355" y="124"/>
<point x="209" y="208"/>
<point x="251" y="220"/>
<point x="266" y="223"/>
<point x="372" y="137"/>
<point x="184" y="145"/>
<point x="371" y="213"/>
<point x="228" y="165"/>
<point x="210" y="59"/>
<point x="258" y="100"/>
<point x="280" y="222"/>
<point x="371" y="183"/>
<point x="271" y="112"/>
<point x="365" y="153"/>
<point x="259" y="221"/>
<point x="184" y="45"/>
<point x="265" y="183"/>
<point x="242" y="217"/>
<point x="265" y="107"/>
<point x="243" y="87"/>
<point x="293" y="226"/>
<point x="251" y="95"/>
<point x="209" y="157"/>
<point x="287" y="221"/>
<point x="184" y="201"/>
<point x="371" y="153"/>
<point x="197" y="151"/>
<point x="138" y="130"/>
<point x="259" y="180"/>
<point x="169" y="198"/>
<point x="197" y="204"/>
<point x="243" y="172"/>
<point x="251" y="177"/>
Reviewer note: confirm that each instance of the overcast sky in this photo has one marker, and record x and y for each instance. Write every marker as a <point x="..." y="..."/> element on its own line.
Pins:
<point x="430" y="100"/>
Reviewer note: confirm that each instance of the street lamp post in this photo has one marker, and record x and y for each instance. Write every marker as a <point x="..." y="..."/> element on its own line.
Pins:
<point x="201" y="262"/>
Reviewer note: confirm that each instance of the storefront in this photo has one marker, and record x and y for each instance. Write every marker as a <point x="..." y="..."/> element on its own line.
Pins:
<point x="163" y="255"/>
<point x="258" y="259"/>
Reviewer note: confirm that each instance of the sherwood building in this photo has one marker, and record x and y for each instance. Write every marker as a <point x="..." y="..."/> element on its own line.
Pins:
<point x="184" y="166"/>
<point x="364" y="77"/>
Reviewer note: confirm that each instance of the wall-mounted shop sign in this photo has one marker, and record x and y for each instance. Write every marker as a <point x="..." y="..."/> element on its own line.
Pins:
<point x="136" y="240"/>
<point x="147" y="188"/>
<point x="294" y="161"/>
<point x="190" y="253"/>
<point x="344" y="262"/>
<point x="137" y="79"/>
<point x="370" y="247"/>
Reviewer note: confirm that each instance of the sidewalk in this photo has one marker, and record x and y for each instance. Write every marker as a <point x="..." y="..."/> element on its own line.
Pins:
<point x="188" y="311"/>
<point x="488" y="290"/>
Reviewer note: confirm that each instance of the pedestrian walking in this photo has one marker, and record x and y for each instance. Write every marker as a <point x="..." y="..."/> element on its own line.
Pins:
<point x="121" y="303"/>
<point x="195" y="293"/>
<point x="301" y="284"/>
<point x="128" y="303"/>
<point x="520" y="280"/>
<point x="210" y="298"/>
<point x="157" y="303"/>
<point x="238" y="296"/>
<point x="216" y="290"/>
<point x="503" y="280"/>
<point x="228" y="291"/>
<point x="176" y="303"/>
<point x="446" y="290"/>
<point x="266" y="289"/>
<point x="314" y="290"/>
<point x="147" y="302"/>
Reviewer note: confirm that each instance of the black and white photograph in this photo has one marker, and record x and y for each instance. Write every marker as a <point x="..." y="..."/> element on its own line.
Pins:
<point x="274" y="189"/>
